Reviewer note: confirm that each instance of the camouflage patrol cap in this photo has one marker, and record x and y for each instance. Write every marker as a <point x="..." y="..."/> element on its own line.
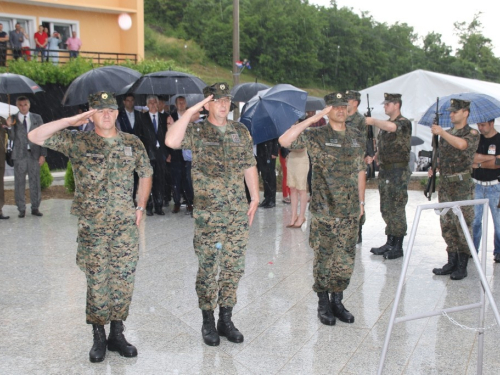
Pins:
<point x="352" y="95"/>
<point x="218" y="90"/>
<point x="103" y="99"/>
<point x="391" y="98"/>
<point x="457" y="104"/>
<point x="336" y="99"/>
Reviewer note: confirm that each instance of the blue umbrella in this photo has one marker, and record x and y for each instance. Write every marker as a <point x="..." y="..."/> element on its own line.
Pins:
<point x="271" y="112"/>
<point x="483" y="108"/>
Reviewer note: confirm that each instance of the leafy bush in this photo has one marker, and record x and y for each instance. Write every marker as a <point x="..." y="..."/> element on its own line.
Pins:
<point x="45" y="176"/>
<point x="69" y="180"/>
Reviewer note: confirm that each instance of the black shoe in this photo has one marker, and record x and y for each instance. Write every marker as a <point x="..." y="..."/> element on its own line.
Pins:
<point x="264" y="203"/>
<point x="270" y="204"/>
<point x="98" y="351"/>
<point x="117" y="341"/>
<point x="496" y="259"/>
<point x="225" y="326"/>
<point x="177" y="208"/>
<point x="461" y="271"/>
<point x="149" y="212"/>
<point x="159" y="212"/>
<point x="339" y="310"/>
<point x="4" y="217"/>
<point x="208" y="331"/>
<point x="21" y="214"/>
<point x="395" y="251"/>
<point x="35" y="212"/>
<point x="384" y="248"/>
<point x="325" y="313"/>
<point x="449" y="267"/>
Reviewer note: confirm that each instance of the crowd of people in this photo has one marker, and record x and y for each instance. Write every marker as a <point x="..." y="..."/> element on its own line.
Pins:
<point x="46" y="46"/>
<point x="127" y="162"/>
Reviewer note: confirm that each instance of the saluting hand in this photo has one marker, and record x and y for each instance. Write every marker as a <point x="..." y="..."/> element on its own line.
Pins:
<point x="81" y="118"/>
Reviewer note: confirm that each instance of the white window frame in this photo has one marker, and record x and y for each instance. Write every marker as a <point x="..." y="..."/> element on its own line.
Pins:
<point x="33" y="27"/>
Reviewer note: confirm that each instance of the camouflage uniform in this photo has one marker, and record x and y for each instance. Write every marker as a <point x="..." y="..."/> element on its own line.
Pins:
<point x="221" y="224"/>
<point x="108" y="247"/>
<point x="394" y="175"/>
<point x="337" y="159"/>
<point x="456" y="184"/>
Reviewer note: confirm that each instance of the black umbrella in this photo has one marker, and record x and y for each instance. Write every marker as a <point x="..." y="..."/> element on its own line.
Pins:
<point x="167" y="82"/>
<point x="314" y="103"/>
<point x="111" y="78"/>
<point x="246" y="91"/>
<point x="416" y="141"/>
<point x="17" y="84"/>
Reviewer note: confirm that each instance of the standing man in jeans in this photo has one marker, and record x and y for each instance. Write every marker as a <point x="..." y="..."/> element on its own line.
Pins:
<point x="73" y="44"/>
<point x="485" y="175"/>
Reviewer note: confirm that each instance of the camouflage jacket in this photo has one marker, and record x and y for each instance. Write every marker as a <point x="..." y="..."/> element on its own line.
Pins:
<point x="451" y="159"/>
<point x="103" y="173"/>
<point x="357" y="120"/>
<point x="218" y="165"/>
<point x="394" y="147"/>
<point x="337" y="159"/>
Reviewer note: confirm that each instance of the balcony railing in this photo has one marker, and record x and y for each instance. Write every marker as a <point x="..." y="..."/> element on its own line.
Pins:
<point x="62" y="56"/>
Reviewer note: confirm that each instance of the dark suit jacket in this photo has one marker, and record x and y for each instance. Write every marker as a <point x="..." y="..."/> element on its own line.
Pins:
<point x="124" y="122"/>
<point x="146" y="132"/>
<point x="18" y="134"/>
<point x="266" y="149"/>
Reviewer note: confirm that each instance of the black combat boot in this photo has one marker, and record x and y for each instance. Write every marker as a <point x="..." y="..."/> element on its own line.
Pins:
<point x="386" y="247"/>
<point x="397" y="249"/>
<point x="208" y="331"/>
<point x="360" y="237"/>
<point x="98" y="351"/>
<point x="461" y="271"/>
<point x="325" y="313"/>
<point x="449" y="267"/>
<point x="339" y="310"/>
<point x="117" y="341"/>
<point x="226" y="327"/>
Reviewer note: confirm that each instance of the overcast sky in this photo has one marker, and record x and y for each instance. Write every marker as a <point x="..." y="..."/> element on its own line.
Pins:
<point x="431" y="15"/>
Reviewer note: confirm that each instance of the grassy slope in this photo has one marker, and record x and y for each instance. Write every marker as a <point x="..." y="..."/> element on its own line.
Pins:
<point x="189" y="55"/>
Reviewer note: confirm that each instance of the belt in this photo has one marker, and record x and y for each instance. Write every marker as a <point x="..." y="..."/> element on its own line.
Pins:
<point x="486" y="183"/>
<point x="457" y="177"/>
<point x="387" y="167"/>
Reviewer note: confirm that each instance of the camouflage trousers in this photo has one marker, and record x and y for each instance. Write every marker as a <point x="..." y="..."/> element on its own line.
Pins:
<point x="334" y="243"/>
<point x="393" y="189"/>
<point x="108" y="255"/>
<point x="450" y="224"/>
<point x="220" y="240"/>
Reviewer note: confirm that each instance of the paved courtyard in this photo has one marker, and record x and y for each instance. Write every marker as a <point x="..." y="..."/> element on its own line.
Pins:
<point x="42" y="303"/>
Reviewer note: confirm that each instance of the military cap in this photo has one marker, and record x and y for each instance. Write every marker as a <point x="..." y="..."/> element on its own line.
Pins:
<point x="102" y="100"/>
<point x="352" y="95"/>
<point x="391" y="98"/>
<point x="457" y="104"/>
<point x="218" y="90"/>
<point x="336" y="99"/>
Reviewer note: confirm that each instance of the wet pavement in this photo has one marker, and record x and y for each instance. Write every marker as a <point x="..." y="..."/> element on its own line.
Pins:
<point x="42" y="303"/>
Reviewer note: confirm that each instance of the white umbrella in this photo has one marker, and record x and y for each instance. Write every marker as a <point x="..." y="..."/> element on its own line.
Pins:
<point x="5" y="110"/>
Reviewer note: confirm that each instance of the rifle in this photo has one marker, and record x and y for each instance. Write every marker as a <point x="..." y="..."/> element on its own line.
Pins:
<point x="431" y="183"/>
<point x="370" y="151"/>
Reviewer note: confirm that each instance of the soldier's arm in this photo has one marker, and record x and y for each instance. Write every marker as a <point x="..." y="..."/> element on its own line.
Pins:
<point x="388" y="126"/>
<point x="45" y="131"/>
<point x="177" y="130"/>
<point x="456" y="142"/>
<point x="143" y="191"/>
<point x="252" y="180"/>
<point x="293" y="133"/>
<point x="361" y="191"/>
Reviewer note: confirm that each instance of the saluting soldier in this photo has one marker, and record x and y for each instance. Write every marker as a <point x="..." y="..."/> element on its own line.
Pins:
<point x="103" y="164"/>
<point x="393" y="156"/>
<point x="337" y="203"/>
<point x="457" y="147"/>
<point x="222" y="156"/>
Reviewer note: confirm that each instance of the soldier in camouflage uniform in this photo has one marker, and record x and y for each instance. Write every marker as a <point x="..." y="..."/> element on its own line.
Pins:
<point x="222" y="157"/>
<point x="457" y="147"/>
<point x="393" y="156"/>
<point x="103" y="164"/>
<point x="357" y="120"/>
<point x="339" y="178"/>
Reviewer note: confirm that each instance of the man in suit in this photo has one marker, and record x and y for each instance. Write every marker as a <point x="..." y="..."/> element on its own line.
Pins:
<point x="152" y="133"/>
<point x="3" y="141"/>
<point x="267" y="152"/>
<point x="128" y="118"/>
<point x="28" y="157"/>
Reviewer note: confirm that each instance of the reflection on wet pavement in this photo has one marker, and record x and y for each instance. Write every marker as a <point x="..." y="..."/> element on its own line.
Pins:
<point x="42" y="303"/>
